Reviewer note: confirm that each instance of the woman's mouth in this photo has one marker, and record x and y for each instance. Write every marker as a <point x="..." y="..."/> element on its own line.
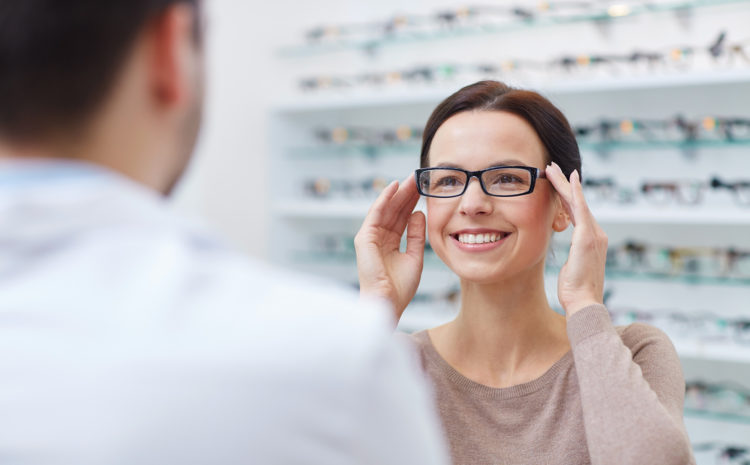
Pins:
<point x="480" y="241"/>
<point x="482" y="238"/>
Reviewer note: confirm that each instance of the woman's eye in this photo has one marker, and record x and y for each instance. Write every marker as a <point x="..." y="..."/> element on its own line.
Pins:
<point x="507" y="179"/>
<point x="448" y="181"/>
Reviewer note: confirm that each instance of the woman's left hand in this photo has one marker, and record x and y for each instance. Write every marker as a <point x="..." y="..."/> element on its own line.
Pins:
<point x="581" y="279"/>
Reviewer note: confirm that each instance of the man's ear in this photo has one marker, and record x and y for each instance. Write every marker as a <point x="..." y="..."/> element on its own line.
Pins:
<point x="562" y="219"/>
<point x="171" y="35"/>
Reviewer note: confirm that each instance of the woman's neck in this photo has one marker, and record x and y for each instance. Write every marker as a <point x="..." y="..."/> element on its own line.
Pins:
<point x="505" y="334"/>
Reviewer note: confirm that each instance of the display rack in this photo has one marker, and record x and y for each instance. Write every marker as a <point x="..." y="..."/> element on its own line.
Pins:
<point x="297" y="216"/>
<point x="609" y="12"/>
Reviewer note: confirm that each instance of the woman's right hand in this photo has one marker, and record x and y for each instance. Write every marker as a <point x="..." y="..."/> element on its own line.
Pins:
<point x="384" y="271"/>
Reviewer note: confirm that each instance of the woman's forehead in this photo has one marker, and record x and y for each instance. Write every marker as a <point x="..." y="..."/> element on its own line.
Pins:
<point x="481" y="137"/>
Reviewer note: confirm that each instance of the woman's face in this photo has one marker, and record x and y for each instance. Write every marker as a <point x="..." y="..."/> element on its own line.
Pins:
<point x="522" y="226"/>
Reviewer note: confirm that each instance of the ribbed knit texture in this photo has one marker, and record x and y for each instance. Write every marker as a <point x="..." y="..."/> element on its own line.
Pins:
<point x="615" y="398"/>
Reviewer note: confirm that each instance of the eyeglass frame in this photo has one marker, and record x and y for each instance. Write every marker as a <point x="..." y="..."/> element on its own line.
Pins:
<point x="535" y="173"/>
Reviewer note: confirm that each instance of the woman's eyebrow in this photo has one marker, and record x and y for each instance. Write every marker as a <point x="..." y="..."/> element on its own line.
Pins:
<point x="510" y="162"/>
<point x="447" y="165"/>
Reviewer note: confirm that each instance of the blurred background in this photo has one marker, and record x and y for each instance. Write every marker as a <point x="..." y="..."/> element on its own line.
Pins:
<point x="313" y="107"/>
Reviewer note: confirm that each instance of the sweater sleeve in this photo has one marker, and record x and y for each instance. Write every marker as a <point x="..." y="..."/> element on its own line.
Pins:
<point x="632" y="391"/>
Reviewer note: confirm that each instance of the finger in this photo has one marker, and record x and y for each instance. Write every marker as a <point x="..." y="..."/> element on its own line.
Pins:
<point x="407" y="194"/>
<point x="582" y="211"/>
<point x="562" y="186"/>
<point x="415" y="235"/>
<point x="408" y="201"/>
<point x="400" y="206"/>
<point x="379" y="208"/>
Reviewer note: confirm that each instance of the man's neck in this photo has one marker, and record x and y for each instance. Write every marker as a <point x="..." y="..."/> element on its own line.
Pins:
<point x="114" y="157"/>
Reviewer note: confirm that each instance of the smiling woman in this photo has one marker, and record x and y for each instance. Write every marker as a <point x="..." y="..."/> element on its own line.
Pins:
<point x="516" y="382"/>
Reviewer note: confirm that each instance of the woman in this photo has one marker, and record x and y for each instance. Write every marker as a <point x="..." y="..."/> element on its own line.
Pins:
<point x="516" y="382"/>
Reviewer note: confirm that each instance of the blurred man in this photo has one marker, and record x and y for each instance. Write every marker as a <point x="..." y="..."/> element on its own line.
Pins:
<point x="130" y="337"/>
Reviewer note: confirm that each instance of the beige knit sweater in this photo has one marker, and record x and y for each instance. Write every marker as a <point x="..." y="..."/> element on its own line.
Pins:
<point x="615" y="398"/>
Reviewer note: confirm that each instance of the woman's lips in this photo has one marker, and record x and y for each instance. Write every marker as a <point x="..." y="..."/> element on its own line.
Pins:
<point x="480" y="241"/>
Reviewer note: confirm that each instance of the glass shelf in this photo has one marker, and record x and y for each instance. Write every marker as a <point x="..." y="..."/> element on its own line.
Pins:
<point x="432" y="260"/>
<point x="687" y="279"/>
<point x="371" y="45"/>
<point x="348" y="150"/>
<point x="669" y="277"/>
<point x="726" y="417"/>
<point x="411" y="149"/>
<point x="344" y="258"/>
<point x="661" y="145"/>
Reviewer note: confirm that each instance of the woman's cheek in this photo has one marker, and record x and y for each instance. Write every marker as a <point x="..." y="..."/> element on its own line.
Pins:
<point x="535" y="220"/>
<point x="438" y="217"/>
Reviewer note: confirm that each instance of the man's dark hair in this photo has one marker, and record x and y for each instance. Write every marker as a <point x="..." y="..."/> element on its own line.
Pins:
<point x="59" y="60"/>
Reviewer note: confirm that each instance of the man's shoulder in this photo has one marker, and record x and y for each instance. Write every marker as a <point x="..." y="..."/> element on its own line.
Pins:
<point x="111" y="251"/>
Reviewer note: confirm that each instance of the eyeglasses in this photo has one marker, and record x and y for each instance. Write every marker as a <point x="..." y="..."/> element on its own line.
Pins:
<point x="702" y="328"/>
<point x="719" y="50"/>
<point x="724" y="453"/>
<point x="368" y="135"/>
<point x="671" y="130"/>
<point x="325" y="187"/>
<point x="740" y="189"/>
<point x="684" y="192"/>
<point x="498" y="181"/>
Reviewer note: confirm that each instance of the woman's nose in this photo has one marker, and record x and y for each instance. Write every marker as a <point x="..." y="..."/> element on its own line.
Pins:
<point x="474" y="201"/>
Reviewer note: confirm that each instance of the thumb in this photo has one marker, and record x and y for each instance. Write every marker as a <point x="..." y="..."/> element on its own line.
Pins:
<point x="415" y="235"/>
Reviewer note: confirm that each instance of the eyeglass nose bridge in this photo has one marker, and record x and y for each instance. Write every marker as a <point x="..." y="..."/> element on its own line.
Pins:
<point x="478" y="175"/>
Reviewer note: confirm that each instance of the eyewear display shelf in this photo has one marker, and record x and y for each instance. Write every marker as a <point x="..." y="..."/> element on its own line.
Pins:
<point x="401" y="30"/>
<point x="302" y="215"/>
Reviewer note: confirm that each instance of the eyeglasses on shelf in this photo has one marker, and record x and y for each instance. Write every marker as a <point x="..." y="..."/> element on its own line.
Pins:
<point x="720" y="51"/>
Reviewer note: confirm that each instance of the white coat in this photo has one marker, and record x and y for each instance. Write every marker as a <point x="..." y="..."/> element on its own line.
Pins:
<point x="128" y="336"/>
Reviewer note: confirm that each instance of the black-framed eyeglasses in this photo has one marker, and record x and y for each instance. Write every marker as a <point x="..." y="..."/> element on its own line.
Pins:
<point x="498" y="181"/>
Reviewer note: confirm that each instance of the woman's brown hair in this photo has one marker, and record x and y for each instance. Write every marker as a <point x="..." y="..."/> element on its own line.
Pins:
<point x="547" y="120"/>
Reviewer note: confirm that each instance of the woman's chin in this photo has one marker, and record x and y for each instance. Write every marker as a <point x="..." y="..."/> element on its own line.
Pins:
<point x="480" y="274"/>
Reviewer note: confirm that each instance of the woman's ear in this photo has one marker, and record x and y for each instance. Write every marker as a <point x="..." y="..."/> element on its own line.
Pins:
<point x="562" y="219"/>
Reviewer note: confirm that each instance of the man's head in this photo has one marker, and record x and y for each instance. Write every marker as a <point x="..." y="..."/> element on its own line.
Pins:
<point x="93" y="79"/>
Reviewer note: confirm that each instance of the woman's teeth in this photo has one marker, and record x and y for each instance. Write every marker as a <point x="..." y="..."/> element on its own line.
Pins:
<point x="480" y="238"/>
